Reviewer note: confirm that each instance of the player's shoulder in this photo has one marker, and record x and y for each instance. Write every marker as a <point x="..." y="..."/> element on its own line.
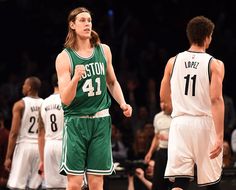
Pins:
<point x="62" y="58"/>
<point x="220" y="62"/>
<point x="172" y="59"/>
<point x="106" y="50"/>
<point x="62" y="55"/>
<point x="105" y="47"/>
<point x="50" y="98"/>
<point x="217" y="66"/>
<point x="20" y="104"/>
<point x="47" y="99"/>
<point x="170" y="64"/>
<point x="217" y="62"/>
<point x="46" y="102"/>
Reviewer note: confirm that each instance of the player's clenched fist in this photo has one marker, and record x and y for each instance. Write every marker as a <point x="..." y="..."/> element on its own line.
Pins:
<point x="79" y="71"/>
<point x="127" y="110"/>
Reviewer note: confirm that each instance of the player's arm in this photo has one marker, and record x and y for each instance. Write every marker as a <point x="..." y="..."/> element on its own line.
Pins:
<point x="217" y="102"/>
<point x="67" y="85"/>
<point x="165" y="91"/>
<point x="41" y="142"/>
<point x="17" y="112"/>
<point x="153" y="147"/>
<point x="113" y="85"/>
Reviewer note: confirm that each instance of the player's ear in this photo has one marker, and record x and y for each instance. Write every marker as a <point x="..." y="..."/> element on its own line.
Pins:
<point x="72" y="25"/>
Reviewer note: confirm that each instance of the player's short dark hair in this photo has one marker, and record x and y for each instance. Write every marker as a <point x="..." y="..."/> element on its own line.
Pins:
<point x="198" y="28"/>
<point x="35" y="83"/>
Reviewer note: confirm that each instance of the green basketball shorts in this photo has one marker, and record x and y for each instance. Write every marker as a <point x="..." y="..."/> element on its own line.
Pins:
<point x="87" y="146"/>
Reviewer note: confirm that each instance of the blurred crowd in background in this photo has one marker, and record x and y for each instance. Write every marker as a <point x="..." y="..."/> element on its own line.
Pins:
<point x="142" y="36"/>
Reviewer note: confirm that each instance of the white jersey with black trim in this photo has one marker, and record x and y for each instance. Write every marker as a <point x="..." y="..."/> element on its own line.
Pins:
<point x="190" y="84"/>
<point x="29" y="122"/>
<point x="53" y="117"/>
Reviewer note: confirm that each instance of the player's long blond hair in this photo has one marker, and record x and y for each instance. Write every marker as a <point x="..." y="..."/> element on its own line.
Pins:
<point x="70" y="41"/>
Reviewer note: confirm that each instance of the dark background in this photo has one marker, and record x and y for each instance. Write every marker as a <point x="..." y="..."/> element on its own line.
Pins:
<point x="33" y="31"/>
<point x="142" y="35"/>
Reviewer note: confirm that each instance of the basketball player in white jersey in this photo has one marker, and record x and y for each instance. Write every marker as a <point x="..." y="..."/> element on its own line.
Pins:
<point x="50" y="139"/>
<point x="192" y="82"/>
<point x="22" y="158"/>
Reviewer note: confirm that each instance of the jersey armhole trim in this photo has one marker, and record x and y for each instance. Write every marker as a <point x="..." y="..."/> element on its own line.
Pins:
<point x="209" y="68"/>
<point x="71" y="62"/>
<point x="173" y="66"/>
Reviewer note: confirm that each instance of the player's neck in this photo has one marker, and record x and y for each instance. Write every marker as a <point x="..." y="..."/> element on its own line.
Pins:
<point x="33" y="95"/>
<point x="56" y="90"/>
<point x="83" y="45"/>
<point x="197" y="48"/>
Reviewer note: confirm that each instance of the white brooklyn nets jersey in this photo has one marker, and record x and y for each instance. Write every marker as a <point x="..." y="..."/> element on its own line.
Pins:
<point x="190" y="84"/>
<point x="53" y="117"/>
<point x="29" y="123"/>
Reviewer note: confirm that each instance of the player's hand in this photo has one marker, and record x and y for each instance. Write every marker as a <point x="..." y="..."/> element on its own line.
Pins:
<point x="79" y="72"/>
<point x="148" y="157"/>
<point x="41" y="169"/>
<point x="216" y="149"/>
<point x="7" y="164"/>
<point x="127" y="109"/>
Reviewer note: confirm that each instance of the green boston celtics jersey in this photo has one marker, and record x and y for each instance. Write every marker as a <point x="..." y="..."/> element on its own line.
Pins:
<point x="91" y="95"/>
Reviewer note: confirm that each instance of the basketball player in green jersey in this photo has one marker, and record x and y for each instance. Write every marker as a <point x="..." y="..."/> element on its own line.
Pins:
<point x="85" y="72"/>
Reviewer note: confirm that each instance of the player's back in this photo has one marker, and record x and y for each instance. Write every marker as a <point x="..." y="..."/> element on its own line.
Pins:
<point x="29" y="122"/>
<point x="190" y="84"/>
<point x="53" y="117"/>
